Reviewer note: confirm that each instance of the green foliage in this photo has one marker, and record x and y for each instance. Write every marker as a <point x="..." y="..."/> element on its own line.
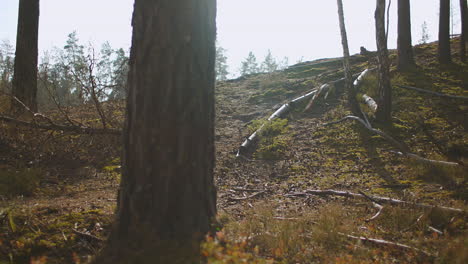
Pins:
<point x="19" y="182"/>
<point x="269" y="63"/>
<point x="249" y="65"/>
<point x="221" y="67"/>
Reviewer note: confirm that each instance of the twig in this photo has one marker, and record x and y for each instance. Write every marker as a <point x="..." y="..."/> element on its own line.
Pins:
<point x="433" y="93"/>
<point x="379" y="199"/>
<point x="246" y="189"/>
<point x="376" y="205"/>
<point x="387" y="243"/>
<point x="435" y="230"/>
<point x="75" y="129"/>
<point x="87" y="236"/>
<point x="247" y="197"/>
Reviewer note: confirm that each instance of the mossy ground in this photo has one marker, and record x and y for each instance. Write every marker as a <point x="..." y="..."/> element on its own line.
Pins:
<point x="79" y="175"/>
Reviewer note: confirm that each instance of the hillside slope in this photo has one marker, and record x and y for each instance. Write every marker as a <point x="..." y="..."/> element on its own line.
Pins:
<point x="264" y="215"/>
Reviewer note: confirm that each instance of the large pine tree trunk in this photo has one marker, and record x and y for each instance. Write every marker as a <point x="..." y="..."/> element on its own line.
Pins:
<point x="464" y="29"/>
<point x="25" y="69"/>
<point x="444" y="32"/>
<point x="352" y="100"/>
<point x="167" y="198"/>
<point x="384" y="110"/>
<point x="405" y="48"/>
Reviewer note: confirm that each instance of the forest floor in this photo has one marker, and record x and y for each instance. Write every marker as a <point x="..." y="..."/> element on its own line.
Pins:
<point x="58" y="190"/>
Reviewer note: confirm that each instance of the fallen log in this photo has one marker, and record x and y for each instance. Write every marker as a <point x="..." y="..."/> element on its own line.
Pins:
<point x="403" y="150"/>
<point x="277" y="114"/>
<point x="286" y="107"/>
<point x="375" y="198"/>
<point x="370" y="102"/>
<point x="433" y="93"/>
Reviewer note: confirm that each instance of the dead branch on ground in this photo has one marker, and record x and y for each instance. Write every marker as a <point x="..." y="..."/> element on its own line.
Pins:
<point x="387" y="243"/>
<point x="403" y="149"/>
<point x="433" y="93"/>
<point x="378" y="199"/>
<point x="74" y="129"/>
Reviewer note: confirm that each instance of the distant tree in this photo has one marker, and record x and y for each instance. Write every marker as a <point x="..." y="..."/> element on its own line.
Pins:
<point x="269" y="63"/>
<point x="75" y="66"/>
<point x="405" y="48"/>
<point x="167" y="198"/>
<point x="384" y="109"/>
<point x="464" y="29"/>
<point x="221" y="67"/>
<point x="444" y="33"/>
<point x="25" y="69"/>
<point x="6" y="65"/>
<point x="120" y="72"/>
<point x="352" y="100"/>
<point x="283" y="64"/>
<point x="249" y="65"/>
<point x="424" y="33"/>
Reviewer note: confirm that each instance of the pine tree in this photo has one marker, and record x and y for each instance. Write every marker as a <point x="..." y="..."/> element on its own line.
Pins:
<point x="405" y="48"/>
<point x="249" y="65"/>
<point x="221" y="67"/>
<point x="384" y="110"/>
<point x="424" y="34"/>
<point x="444" y="32"/>
<point x="167" y="198"/>
<point x="25" y="69"/>
<point x="269" y="63"/>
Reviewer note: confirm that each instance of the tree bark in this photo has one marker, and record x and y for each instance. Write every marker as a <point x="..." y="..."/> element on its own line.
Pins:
<point x="405" y="48"/>
<point x="352" y="100"/>
<point x="25" y="69"/>
<point x="464" y="29"/>
<point x="444" y="32"/>
<point x="167" y="197"/>
<point x="384" y="110"/>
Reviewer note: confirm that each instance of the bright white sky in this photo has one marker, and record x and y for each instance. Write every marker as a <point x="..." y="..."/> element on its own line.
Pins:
<point x="292" y="28"/>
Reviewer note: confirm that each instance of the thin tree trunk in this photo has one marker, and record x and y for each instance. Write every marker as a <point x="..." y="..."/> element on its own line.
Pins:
<point x="25" y="69"/>
<point x="352" y="100"/>
<point x="384" y="110"/>
<point x="444" y="32"/>
<point x="167" y="198"/>
<point x="405" y="48"/>
<point x="464" y="29"/>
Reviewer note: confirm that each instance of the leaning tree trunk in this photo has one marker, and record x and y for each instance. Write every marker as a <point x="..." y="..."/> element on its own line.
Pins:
<point x="444" y="32"/>
<point x="384" y="110"/>
<point x="25" y="69"/>
<point x="167" y="198"/>
<point x="464" y="30"/>
<point x="405" y="48"/>
<point x="353" y="103"/>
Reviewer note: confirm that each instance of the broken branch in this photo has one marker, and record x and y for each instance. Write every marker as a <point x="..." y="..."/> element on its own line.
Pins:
<point x="74" y="129"/>
<point x="387" y="243"/>
<point x="433" y="93"/>
<point x="403" y="150"/>
<point x="375" y="198"/>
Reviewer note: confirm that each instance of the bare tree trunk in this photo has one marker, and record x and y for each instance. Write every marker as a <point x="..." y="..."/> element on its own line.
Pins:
<point x="405" y="48"/>
<point x="384" y="110"/>
<point x="25" y="69"/>
<point x="444" y="32"/>
<point x="464" y="29"/>
<point x="352" y="100"/>
<point x="167" y="198"/>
